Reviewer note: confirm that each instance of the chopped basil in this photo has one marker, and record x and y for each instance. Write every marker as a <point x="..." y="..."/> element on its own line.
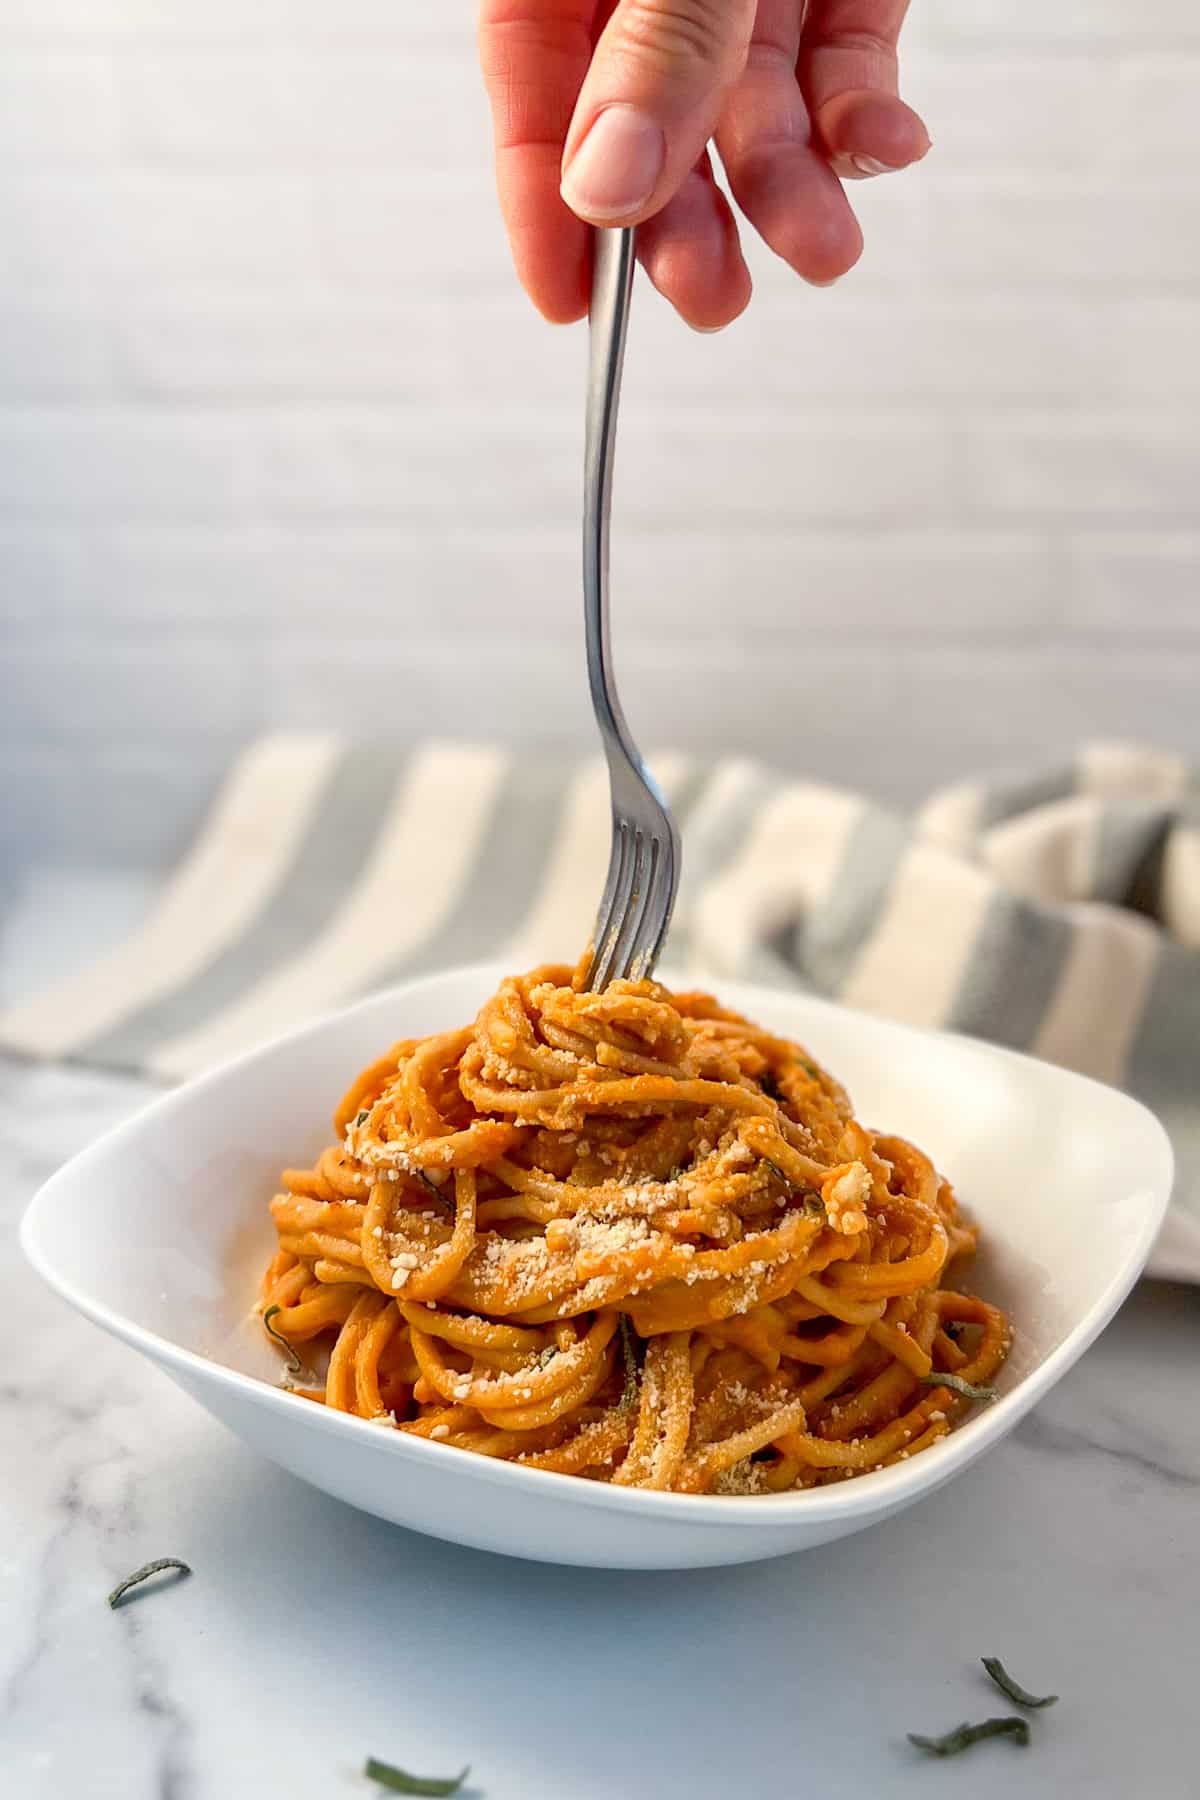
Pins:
<point x="117" y="1597"/>
<point x="968" y="1390"/>
<point x="812" y="1205"/>
<point x="400" y="1782"/>
<point x="433" y="1187"/>
<point x="294" y="1362"/>
<point x="963" y="1736"/>
<point x="361" y="1117"/>
<point x="775" y="1169"/>
<point x="1013" y="1689"/>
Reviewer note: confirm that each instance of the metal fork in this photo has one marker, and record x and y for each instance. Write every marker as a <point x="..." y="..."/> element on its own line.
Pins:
<point x="643" y="868"/>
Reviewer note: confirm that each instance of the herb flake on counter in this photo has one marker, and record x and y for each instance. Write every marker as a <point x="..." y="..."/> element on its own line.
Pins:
<point x="956" y="1384"/>
<point x="294" y="1362"/>
<point x="1013" y="1689"/>
<point x="182" y="1571"/>
<point x="398" y="1781"/>
<point x="963" y="1736"/>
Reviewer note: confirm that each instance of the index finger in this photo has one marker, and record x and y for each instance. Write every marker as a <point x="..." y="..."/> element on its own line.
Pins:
<point x="534" y="55"/>
<point x="848" y="71"/>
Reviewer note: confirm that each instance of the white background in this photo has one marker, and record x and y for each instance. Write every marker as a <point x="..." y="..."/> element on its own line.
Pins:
<point x="281" y="442"/>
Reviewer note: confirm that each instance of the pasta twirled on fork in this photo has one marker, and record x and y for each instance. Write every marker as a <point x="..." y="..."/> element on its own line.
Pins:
<point x="629" y="1236"/>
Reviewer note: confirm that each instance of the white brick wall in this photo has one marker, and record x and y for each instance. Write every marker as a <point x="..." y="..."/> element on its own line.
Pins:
<point x="280" y="442"/>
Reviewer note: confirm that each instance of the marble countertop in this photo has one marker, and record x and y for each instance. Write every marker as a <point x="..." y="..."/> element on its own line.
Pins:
<point x="310" y="1635"/>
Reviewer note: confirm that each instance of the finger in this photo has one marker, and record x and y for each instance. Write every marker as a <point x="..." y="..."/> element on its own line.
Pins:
<point x="780" y="178"/>
<point x="848" y="71"/>
<point x="534" y="55"/>
<point x="690" y="251"/>
<point x="652" y="96"/>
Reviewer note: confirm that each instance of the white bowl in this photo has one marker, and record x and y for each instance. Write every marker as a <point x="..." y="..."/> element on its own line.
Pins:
<point x="159" y="1231"/>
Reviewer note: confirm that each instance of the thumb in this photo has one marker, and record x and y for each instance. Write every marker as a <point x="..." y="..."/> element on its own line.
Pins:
<point x="650" y="103"/>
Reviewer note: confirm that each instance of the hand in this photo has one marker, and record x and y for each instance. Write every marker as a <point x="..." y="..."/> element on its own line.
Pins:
<point x="603" y="113"/>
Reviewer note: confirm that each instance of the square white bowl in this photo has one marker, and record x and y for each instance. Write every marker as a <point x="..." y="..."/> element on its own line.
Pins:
<point x="160" y="1230"/>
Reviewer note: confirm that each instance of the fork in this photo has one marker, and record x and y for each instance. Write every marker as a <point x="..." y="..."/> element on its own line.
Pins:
<point x="643" y="867"/>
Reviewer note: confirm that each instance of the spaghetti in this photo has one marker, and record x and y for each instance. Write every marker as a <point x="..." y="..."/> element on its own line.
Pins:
<point x="633" y="1237"/>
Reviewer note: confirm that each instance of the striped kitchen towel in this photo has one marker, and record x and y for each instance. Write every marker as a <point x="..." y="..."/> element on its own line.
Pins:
<point x="1059" y="914"/>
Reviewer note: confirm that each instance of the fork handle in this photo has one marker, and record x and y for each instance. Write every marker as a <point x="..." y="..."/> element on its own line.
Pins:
<point x="608" y="320"/>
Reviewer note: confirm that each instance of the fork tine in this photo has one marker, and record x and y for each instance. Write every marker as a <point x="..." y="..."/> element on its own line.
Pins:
<point x="602" y="929"/>
<point x="633" y="924"/>
<point x="653" y="927"/>
<point x="604" y="912"/>
<point x="635" y="910"/>
<point x="614" y="906"/>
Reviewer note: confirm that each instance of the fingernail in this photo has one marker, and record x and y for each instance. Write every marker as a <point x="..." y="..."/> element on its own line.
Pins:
<point x="870" y="165"/>
<point x="616" y="168"/>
